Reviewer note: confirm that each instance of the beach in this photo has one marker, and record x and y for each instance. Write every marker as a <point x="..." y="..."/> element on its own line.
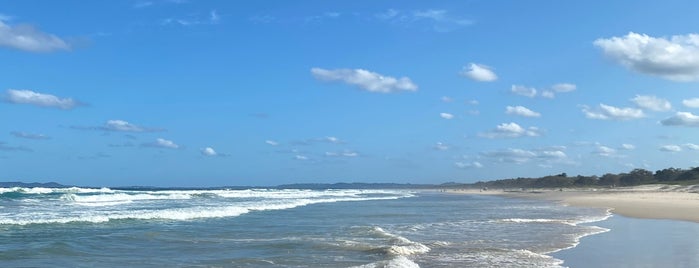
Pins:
<point x="658" y="220"/>
<point x="647" y="201"/>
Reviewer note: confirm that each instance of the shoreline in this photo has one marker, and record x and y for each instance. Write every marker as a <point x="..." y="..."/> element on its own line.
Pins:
<point x="670" y="202"/>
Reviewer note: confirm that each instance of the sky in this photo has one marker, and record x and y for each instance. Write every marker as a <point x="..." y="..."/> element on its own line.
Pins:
<point x="212" y="93"/>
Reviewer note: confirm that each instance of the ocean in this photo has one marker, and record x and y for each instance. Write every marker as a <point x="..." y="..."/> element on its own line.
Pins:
<point x="90" y="227"/>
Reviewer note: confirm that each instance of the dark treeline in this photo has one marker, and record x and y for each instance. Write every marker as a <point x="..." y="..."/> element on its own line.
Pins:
<point x="635" y="177"/>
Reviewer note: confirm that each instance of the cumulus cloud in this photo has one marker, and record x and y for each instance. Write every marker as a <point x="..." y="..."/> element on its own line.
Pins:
<point x="271" y="142"/>
<point x="523" y="91"/>
<point x="479" y="73"/>
<point x="670" y="148"/>
<point x="23" y="96"/>
<point x="607" y="112"/>
<point x="692" y="146"/>
<point x="604" y="151"/>
<point x="675" y="58"/>
<point x="510" y="130"/>
<point x="564" y="87"/>
<point x="366" y="80"/>
<point x="27" y="38"/>
<point x="446" y="115"/>
<point x="548" y="94"/>
<point x="121" y="125"/>
<point x="652" y="103"/>
<point x="208" y="151"/>
<point x="465" y="165"/>
<point x="300" y="157"/>
<point x="691" y="103"/>
<point x="521" y="111"/>
<point x="682" y="119"/>
<point x="162" y="143"/>
<point x="627" y="146"/>
<point x="30" y="136"/>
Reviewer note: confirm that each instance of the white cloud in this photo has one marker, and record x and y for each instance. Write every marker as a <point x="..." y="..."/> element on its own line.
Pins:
<point x="162" y="143"/>
<point x="208" y="151"/>
<point x="121" y="125"/>
<point x="30" y="136"/>
<point x="195" y="19"/>
<point x="510" y="130"/>
<point x="27" y="38"/>
<point x="300" y="157"/>
<point x="682" y="119"/>
<point x="692" y="146"/>
<point x="676" y="58"/>
<point x="166" y="143"/>
<point x="523" y="91"/>
<point x="607" y="112"/>
<point x="652" y="103"/>
<point x="551" y="154"/>
<point x="472" y="102"/>
<point x="271" y="142"/>
<point x="23" y="96"/>
<point x="446" y="99"/>
<point x="446" y="115"/>
<point x="342" y="154"/>
<point x="691" y="103"/>
<point x="627" y="146"/>
<point x="564" y="87"/>
<point x="670" y="148"/>
<point x="548" y="94"/>
<point x="463" y="165"/>
<point x="521" y="111"/>
<point x="605" y="151"/>
<point x="441" y="147"/>
<point x="367" y="80"/>
<point x="518" y="156"/>
<point x="332" y="139"/>
<point x="479" y="73"/>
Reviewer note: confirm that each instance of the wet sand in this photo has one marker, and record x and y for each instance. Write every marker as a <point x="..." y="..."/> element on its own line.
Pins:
<point x="647" y="201"/>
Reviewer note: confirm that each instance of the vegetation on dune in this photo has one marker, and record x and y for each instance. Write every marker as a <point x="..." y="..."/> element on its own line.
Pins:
<point x="635" y="177"/>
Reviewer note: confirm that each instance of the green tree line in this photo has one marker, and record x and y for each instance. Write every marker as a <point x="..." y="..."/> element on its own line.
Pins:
<point x="634" y="177"/>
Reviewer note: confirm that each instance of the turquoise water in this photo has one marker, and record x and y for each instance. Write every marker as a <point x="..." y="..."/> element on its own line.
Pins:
<point x="80" y="227"/>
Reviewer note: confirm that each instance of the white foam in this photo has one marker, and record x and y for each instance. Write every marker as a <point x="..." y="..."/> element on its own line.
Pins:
<point x="146" y="205"/>
<point x="402" y="246"/>
<point x="520" y="220"/>
<point x="397" y="262"/>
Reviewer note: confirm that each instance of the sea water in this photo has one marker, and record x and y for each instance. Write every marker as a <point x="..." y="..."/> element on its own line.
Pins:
<point x="85" y="227"/>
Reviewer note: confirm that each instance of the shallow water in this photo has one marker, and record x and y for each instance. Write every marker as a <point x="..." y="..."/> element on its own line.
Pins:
<point x="81" y="227"/>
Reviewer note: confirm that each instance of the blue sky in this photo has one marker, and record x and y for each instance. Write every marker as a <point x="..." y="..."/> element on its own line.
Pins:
<point x="206" y="93"/>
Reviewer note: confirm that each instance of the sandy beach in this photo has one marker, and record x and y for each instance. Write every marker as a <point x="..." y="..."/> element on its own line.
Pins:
<point x="646" y="201"/>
